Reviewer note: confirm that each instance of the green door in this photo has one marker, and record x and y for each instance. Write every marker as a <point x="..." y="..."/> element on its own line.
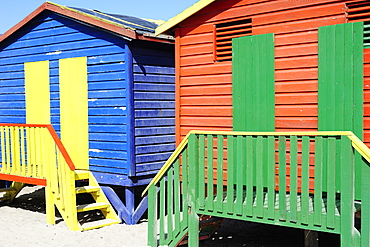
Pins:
<point x="340" y="84"/>
<point x="253" y="83"/>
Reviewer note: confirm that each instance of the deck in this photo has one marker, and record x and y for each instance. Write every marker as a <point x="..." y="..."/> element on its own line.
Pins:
<point x="302" y="180"/>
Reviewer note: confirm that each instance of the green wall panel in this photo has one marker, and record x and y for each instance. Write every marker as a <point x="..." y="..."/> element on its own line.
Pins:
<point x="341" y="78"/>
<point x="253" y="83"/>
<point x="340" y="83"/>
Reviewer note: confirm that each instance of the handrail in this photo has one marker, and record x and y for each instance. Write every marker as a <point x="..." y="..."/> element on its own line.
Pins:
<point x="360" y="147"/>
<point x="168" y="163"/>
<point x="61" y="147"/>
<point x="356" y="143"/>
<point x="53" y="134"/>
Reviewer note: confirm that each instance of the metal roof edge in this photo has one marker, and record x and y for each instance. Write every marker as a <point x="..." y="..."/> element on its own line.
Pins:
<point x="91" y="16"/>
<point x="84" y="16"/>
<point x="182" y="16"/>
<point x="68" y="12"/>
<point x="80" y="16"/>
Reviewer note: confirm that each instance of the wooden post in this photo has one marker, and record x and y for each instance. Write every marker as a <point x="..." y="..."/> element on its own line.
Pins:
<point x="311" y="238"/>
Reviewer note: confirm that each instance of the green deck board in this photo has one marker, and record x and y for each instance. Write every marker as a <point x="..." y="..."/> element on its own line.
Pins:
<point x="305" y="177"/>
<point x="290" y="221"/>
<point x="259" y="175"/>
<point x="220" y="160"/>
<point x="210" y="186"/>
<point x="318" y="179"/>
<point x="210" y="172"/>
<point x="162" y="198"/>
<point x="240" y="169"/>
<point x="169" y="211"/>
<point x="152" y="216"/>
<point x="293" y="175"/>
<point x="249" y="176"/>
<point x="201" y="171"/>
<point x="230" y="174"/>
<point x="282" y="177"/>
<point x="177" y="195"/>
<point x="271" y="175"/>
<point x="185" y="180"/>
<point x="331" y="192"/>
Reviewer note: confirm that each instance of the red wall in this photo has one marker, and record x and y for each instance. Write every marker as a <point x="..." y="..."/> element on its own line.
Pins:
<point x="204" y="86"/>
<point x="367" y="97"/>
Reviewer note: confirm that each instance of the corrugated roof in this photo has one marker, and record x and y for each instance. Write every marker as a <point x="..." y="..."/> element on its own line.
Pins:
<point x="130" y="22"/>
<point x="182" y="16"/>
<point x="128" y="26"/>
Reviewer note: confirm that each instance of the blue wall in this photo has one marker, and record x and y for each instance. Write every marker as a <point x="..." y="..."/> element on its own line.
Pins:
<point x="131" y="87"/>
<point x="154" y="105"/>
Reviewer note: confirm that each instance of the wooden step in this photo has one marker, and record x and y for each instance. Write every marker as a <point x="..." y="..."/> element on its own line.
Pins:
<point x="92" y="206"/>
<point x="87" y="189"/>
<point x="98" y="224"/>
<point x="10" y="189"/>
<point x="81" y="174"/>
<point x="4" y="198"/>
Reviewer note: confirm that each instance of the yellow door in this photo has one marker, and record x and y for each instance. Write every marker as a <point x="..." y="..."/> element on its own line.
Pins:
<point x="74" y="109"/>
<point x="37" y="92"/>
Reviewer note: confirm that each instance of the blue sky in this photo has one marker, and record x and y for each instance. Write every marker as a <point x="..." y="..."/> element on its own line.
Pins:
<point x="13" y="11"/>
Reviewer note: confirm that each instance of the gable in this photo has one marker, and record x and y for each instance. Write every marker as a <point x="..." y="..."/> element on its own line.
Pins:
<point x="51" y="36"/>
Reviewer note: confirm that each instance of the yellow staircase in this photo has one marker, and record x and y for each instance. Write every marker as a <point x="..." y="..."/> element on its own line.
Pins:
<point x="69" y="209"/>
<point x="34" y="154"/>
<point x="8" y="194"/>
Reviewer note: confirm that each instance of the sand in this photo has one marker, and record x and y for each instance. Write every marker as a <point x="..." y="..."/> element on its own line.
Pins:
<point x="23" y="223"/>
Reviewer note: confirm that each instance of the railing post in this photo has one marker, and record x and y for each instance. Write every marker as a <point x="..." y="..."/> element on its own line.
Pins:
<point x="193" y="219"/>
<point x="49" y="172"/>
<point x="365" y="204"/>
<point x="152" y="216"/>
<point x="347" y="192"/>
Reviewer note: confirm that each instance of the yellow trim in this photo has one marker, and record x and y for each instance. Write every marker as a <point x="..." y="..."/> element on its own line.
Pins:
<point x="37" y="92"/>
<point x="168" y="163"/>
<point x="182" y="16"/>
<point x="100" y="19"/>
<point x="294" y="133"/>
<point x="360" y="147"/>
<point x="74" y="109"/>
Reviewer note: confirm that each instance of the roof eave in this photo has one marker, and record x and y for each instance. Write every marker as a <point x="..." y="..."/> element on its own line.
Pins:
<point x="72" y="14"/>
<point x="171" y="23"/>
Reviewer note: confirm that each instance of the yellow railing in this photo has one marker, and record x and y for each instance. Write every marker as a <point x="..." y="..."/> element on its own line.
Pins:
<point x="34" y="154"/>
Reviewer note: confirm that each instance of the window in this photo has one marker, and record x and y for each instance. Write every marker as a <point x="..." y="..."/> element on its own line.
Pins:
<point x="360" y="11"/>
<point x="225" y="32"/>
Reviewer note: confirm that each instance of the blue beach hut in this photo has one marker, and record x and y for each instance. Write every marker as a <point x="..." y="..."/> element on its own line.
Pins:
<point x="106" y="85"/>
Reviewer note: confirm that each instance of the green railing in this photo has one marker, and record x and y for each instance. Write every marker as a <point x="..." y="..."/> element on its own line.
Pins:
<point x="169" y="223"/>
<point x="304" y="180"/>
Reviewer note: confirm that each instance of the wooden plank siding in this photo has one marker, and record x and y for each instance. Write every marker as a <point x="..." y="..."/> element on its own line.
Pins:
<point x="205" y="86"/>
<point x="52" y="37"/>
<point x="154" y="105"/>
<point x="367" y="97"/>
<point x="130" y="90"/>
